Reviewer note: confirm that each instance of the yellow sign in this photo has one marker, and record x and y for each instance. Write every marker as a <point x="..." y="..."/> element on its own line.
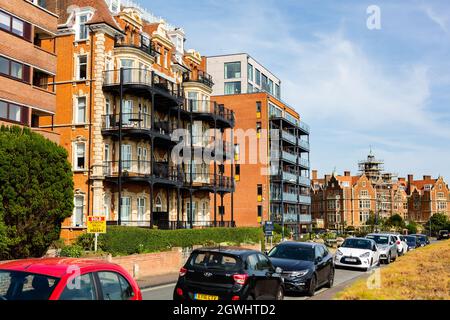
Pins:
<point x="96" y="224"/>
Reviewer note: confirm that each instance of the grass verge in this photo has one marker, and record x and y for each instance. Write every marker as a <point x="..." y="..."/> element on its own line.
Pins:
<point x="422" y="274"/>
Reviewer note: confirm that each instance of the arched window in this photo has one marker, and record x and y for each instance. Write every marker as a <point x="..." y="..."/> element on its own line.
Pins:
<point x="158" y="204"/>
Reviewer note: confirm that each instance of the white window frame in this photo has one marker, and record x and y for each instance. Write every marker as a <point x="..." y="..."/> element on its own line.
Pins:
<point x="141" y="208"/>
<point x="78" y="65"/>
<point x="78" y="25"/>
<point x="74" y="215"/>
<point x="76" y="110"/>
<point x="75" y="155"/>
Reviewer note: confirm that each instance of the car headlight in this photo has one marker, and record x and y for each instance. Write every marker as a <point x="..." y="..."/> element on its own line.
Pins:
<point x="339" y="252"/>
<point x="301" y="273"/>
<point x="365" y="255"/>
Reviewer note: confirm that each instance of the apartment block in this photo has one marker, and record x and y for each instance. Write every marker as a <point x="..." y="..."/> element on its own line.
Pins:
<point x="125" y="86"/>
<point x="27" y="64"/>
<point x="271" y="146"/>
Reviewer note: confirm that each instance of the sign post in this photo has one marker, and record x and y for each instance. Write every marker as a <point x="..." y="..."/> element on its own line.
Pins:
<point x="268" y="231"/>
<point x="96" y="225"/>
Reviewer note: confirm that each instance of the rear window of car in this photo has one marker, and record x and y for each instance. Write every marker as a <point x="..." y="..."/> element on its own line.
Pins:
<point x="15" y="285"/>
<point x="379" y="239"/>
<point x="215" y="260"/>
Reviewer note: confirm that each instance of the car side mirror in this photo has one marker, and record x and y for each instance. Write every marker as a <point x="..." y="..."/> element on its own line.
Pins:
<point x="278" y="270"/>
<point x="338" y="245"/>
<point x="374" y="248"/>
<point x="318" y="259"/>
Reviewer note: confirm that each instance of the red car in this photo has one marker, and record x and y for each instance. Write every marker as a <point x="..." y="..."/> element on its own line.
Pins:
<point x="66" y="279"/>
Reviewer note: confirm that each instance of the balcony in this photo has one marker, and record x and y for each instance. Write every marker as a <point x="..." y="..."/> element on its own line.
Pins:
<point x="199" y="77"/>
<point x="305" y="200"/>
<point x="297" y="218"/>
<point x="304" y="181"/>
<point x="143" y="82"/>
<point x="210" y="110"/>
<point x="145" y="45"/>
<point x="303" y="162"/>
<point x="132" y="123"/>
<point x="288" y="137"/>
<point x="289" y="177"/>
<point x="209" y="181"/>
<point x="130" y="169"/>
<point x="303" y="144"/>
<point x="289" y="156"/>
<point x="304" y="127"/>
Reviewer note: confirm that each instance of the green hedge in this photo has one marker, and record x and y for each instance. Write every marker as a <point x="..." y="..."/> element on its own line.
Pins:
<point x="130" y="240"/>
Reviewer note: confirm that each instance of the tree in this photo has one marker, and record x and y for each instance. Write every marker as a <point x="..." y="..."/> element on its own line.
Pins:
<point x="36" y="192"/>
<point x="412" y="227"/>
<point x="439" y="221"/>
<point x="395" y="221"/>
<point x="372" y="221"/>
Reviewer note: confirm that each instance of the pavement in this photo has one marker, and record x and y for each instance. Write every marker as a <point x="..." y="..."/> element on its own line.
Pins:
<point x="161" y="287"/>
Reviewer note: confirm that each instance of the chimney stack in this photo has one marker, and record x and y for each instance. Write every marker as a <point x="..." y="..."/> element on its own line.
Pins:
<point x="426" y="177"/>
<point x="314" y="174"/>
<point x="410" y="179"/>
<point x="327" y="178"/>
<point x="347" y="173"/>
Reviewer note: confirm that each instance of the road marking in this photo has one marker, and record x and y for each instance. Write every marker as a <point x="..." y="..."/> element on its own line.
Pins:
<point x="159" y="287"/>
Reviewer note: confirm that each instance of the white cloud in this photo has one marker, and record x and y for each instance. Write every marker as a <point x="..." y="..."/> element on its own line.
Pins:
<point x="440" y="20"/>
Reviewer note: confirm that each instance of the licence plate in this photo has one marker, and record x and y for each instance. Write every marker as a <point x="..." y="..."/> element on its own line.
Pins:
<point x="200" y="296"/>
<point x="350" y="260"/>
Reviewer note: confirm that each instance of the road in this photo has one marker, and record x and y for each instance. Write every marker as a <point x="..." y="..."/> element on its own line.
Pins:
<point x="342" y="276"/>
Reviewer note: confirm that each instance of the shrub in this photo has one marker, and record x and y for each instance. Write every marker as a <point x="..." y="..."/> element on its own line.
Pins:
<point x="36" y="192"/>
<point x="131" y="240"/>
<point x="74" y="251"/>
<point x="86" y="241"/>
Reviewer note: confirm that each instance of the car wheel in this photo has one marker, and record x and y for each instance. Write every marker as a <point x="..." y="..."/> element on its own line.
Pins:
<point x="250" y="297"/>
<point x="280" y="294"/>
<point x="312" y="286"/>
<point x="330" y="279"/>
<point x="388" y="260"/>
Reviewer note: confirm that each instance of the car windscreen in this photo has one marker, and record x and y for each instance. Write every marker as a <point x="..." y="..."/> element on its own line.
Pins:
<point x="379" y="239"/>
<point x="215" y="261"/>
<point x="15" y="285"/>
<point x="357" y="244"/>
<point x="292" y="253"/>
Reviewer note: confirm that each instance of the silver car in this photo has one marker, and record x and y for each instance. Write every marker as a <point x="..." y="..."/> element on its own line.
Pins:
<point x="386" y="245"/>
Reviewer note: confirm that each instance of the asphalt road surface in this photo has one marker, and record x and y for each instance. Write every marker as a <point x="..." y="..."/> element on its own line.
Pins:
<point x="342" y="276"/>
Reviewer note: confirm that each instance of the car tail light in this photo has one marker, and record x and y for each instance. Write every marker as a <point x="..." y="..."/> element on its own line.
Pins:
<point x="240" y="278"/>
<point x="183" y="272"/>
<point x="234" y="298"/>
<point x="398" y="241"/>
<point x="179" y="291"/>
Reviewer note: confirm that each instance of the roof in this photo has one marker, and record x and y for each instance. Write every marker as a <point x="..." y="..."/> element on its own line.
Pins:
<point x="420" y="184"/>
<point x="101" y="12"/>
<point x="53" y="267"/>
<point x="299" y="244"/>
<point x="238" y="251"/>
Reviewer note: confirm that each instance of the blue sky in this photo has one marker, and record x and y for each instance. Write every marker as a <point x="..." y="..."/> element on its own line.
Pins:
<point x="388" y="88"/>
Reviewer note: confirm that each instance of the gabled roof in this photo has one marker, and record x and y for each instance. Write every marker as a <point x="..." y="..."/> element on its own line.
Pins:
<point x="101" y="12"/>
<point x="420" y="184"/>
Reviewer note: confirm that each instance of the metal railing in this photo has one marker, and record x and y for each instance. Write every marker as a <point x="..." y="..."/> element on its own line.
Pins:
<point x="166" y="172"/>
<point x="304" y="199"/>
<point x="205" y="179"/>
<point x="201" y="77"/>
<point x="304" y="181"/>
<point x="130" y="168"/>
<point x="129" y="121"/>
<point x="211" y="107"/>
<point x="303" y="144"/>
<point x="173" y="225"/>
<point x="288" y="136"/>
<point x="145" y="45"/>
<point x="142" y="77"/>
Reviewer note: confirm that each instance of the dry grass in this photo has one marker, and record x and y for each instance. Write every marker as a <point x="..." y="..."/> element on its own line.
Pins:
<point x="422" y="274"/>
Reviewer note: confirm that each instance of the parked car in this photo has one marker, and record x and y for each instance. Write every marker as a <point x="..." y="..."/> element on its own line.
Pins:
<point x="412" y="242"/>
<point x="386" y="246"/>
<point x="228" y="274"/>
<point x="306" y="266"/>
<point x="402" y="246"/>
<point x="423" y="239"/>
<point x="66" y="279"/>
<point x="443" y="235"/>
<point x="358" y="253"/>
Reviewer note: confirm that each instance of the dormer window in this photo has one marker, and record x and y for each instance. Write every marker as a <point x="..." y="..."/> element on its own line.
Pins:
<point x="81" y="27"/>
<point x="114" y="6"/>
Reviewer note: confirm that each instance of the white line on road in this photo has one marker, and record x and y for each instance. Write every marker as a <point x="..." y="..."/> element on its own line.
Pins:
<point x="159" y="287"/>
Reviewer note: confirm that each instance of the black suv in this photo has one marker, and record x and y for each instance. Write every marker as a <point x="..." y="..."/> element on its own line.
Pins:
<point x="229" y="274"/>
<point x="443" y="234"/>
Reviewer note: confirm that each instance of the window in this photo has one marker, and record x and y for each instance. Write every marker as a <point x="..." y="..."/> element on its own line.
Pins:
<point x="158" y="204"/>
<point x="82" y="32"/>
<point x="114" y="286"/>
<point x="260" y="211"/>
<point x="258" y="106"/>
<point x="274" y="111"/>
<point x="80" y="288"/>
<point x="233" y="87"/>
<point x="363" y="217"/>
<point x="82" y="67"/>
<point x="16" y="70"/>
<point x="126" y="209"/>
<point x="258" y="77"/>
<point x="17" y="27"/>
<point x="4" y="65"/>
<point x="277" y="91"/>
<point x="141" y="209"/>
<point x="238" y="172"/>
<point x="19" y="285"/>
<point x="80" y="156"/>
<point x="3" y="110"/>
<point x="364" y="193"/>
<point x="78" y="211"/>
<point x="249" y="88"/>
<point x="264" y="83"/>
<point x="232" y="70"/>
<point x="259" y="190"/>
<point x="15" y="112"/>
<point x="80" y="110"/>
<point x="166" y="58"/>
<point x="126" y="157"/>
<point x="258" y="130"/>
<point x="250" y="72"/>
<point x="193" y="101"/>
<point x="364" y="204"/>
<point x="5" y="21"/>
<point x="114" y="6"/>
<point x="270" y="86"/>
<point x="107" y="207"/>
<point x="236" y="152"/>
<point x="264" y="263"/>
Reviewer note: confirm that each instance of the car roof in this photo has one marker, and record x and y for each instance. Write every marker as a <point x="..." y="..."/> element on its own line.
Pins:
<point x="236" y="251"/>
<point x="299" y="244"/>
<point x="360" y="238"/>
<point x="54" y="267"/>
<point x="380" y="234"/>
